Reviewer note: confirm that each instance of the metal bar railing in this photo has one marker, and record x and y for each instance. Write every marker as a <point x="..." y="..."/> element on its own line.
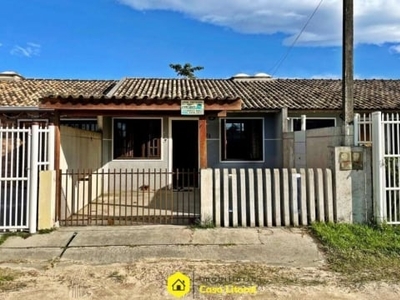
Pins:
<point x="127" y="197"/>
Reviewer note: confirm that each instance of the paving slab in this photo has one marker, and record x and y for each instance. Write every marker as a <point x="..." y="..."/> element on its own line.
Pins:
<point x="57" y="239"/>
<point x="108" y="245"/>
<point x="133" y="237"/>
<point x="286" y="238"/>
<point x="226" y="236"/>
<point x="240" y="253"/>
<point x="21" y="254"/>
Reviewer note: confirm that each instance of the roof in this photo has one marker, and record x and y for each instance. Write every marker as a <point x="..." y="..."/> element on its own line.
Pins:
<point x="319" y="94"/>
<point x="187" y="89"/>
<point x="28" y="92"/>
<point x="308" y="94"/>
<point x="295" y="94"/>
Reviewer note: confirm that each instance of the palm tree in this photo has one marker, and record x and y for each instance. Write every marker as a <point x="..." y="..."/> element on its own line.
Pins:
<point x="186" y="71"/>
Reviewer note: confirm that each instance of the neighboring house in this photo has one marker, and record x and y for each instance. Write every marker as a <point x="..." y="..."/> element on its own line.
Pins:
<point x="241" y="120"/>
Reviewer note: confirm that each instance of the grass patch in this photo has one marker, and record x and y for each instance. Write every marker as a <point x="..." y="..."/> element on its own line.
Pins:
<point x="117" y="277"/>
<point x="360" y="252"/>
<point x="5" y="236"/>
<point x="8" y="280"/>
<point x="46" y="231"/>
<point x="22" y="234"/>
<point x="205" y="224"/>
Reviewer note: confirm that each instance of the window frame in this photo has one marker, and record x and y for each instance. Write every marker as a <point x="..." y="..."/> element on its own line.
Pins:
<point x="310" y="118"/>
<point x="80" y="120"/>
<point x="139" y="159"/>
<point x="222" y="122"/>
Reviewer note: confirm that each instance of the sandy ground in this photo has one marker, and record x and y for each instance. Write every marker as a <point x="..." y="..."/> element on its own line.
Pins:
<point x="147" y="279"/>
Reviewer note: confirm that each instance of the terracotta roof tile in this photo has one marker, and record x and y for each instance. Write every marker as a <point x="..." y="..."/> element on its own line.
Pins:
<point x="301" y="94"/>
<point x="177" y="89"/>
<point x="27" y="92"/>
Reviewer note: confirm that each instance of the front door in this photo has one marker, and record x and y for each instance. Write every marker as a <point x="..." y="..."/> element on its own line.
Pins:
<point x="185" y="150"/>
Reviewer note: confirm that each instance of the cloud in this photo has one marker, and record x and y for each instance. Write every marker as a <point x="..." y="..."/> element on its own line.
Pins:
<point x="376" y="21"/>
<point x="395" y="49"/>
<point x="31" y="49"/>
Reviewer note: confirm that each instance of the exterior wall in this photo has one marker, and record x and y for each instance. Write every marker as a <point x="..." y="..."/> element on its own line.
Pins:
<point x="272" y="142"/>
<point x="321" y="148"/>
<point x="318" y="144"/>
<point x="272" y="145"/>
<point x="310" y="148"/>
<point x="80" y="149"/>
<point x="117" y="164"/>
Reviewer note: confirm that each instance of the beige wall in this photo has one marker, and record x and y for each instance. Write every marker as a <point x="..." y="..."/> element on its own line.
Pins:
<point x="80" y="149"/>
<point x="311" y="148"/>
<point x="321" y="148"/>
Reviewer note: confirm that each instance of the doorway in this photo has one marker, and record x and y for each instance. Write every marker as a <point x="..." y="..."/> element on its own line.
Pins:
<point x="185" y="151"/>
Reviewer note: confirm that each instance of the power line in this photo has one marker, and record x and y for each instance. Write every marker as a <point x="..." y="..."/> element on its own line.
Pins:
<point x="274" y="69"/>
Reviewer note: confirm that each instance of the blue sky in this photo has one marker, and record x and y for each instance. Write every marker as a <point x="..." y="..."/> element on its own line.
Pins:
<point x="112" y="39"/>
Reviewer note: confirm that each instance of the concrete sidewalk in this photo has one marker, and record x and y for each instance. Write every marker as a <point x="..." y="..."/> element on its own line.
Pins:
<point x="107" y="245"/>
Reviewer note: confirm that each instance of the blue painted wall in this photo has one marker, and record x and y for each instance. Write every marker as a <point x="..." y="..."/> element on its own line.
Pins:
<point x="272" y="142"/>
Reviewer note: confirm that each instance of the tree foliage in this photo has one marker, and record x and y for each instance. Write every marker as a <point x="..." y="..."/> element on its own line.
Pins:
<point x="186" y="70"/>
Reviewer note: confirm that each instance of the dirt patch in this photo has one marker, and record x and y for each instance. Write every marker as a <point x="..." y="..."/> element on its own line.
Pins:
<point x="147" y="279"/>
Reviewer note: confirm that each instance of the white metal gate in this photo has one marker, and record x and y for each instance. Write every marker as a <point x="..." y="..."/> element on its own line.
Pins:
<point x="386" y="166"/>
<point x="25" y="152"/>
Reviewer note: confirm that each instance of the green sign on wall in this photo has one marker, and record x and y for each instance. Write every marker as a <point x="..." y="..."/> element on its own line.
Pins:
<point x="192" y="107"/>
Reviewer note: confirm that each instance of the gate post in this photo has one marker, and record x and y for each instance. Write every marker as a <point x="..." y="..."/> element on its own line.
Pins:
<point x="51" y="147"/>
<point x="378" y="166"/>
<point x="33" y="180"/>
<point x="206" y="195"/>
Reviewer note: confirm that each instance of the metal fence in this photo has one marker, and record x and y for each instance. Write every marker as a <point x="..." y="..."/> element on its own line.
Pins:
<point x="386" y="167"/>
<point x="128" y="197"/>
<point x="363" y="130"/>
<point x="25" y="151"/>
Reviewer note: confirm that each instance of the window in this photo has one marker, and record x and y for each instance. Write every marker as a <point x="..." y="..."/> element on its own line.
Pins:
<point x="88" y="124"/>
<point x="242" y="139"/>
<point x="313" y="123"/>
<point x="137" y="138"/>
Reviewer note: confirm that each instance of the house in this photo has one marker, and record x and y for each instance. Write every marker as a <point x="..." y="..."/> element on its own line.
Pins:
<point x="116" y="129"/>
<point x="144" y="125"/>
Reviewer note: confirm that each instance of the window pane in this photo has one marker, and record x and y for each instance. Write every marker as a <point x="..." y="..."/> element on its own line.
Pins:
<point x="319" y="123"/>
<point x="313" y="123"/>
<point x="90" y="125"/>
<point x="137" y="138"/>
<point x="242" y="139"/>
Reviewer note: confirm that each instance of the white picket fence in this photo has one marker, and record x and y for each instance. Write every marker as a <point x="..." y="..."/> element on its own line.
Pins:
<point x="266" y="198"/>
<point x="25" y="152"/>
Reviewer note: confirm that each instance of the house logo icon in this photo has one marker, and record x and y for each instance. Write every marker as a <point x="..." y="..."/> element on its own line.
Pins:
<point x="178" y="284"/>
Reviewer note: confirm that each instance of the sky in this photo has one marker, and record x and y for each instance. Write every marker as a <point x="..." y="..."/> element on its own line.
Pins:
<point x="113" y="39"/>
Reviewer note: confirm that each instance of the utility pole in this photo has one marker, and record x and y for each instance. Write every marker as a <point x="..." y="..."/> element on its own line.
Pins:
<point x="347" y="67"/>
